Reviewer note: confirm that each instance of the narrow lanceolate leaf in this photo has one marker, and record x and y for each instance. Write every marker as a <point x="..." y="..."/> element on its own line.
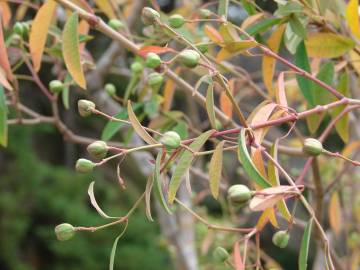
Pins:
<point x="261" y="203"/>
<point x="184" y="163"/>
<point x="335" y="218"/>
<point x="149" y="185"/>
<point x="238" y="261"/>
<point x="304" y="248"/>
<point x="247" y="163"/>
<point x="106" y="7"/>
<point x="4" y="59"/>
<point x="268" y="63"/>
<point x="3" y="119"/>
<point x="94" y="203"/>
<point x="328" y="45"/>
<point x="215" y="169"/>
<point x="213" y="34"/>
<point x="305" y="85"/>
<point x="267" y="215"/>
<point x="113" y="249"/>
<point x="158" y="185"/>
<point x="223" y="8"/>
<point x="71" y="50"/>
<point x="352" y="17"/>
<point x="210" y="105"/>
<point x="137" y="126"/>
<point x="280" y="93"/>
<point x="39" y="31"/>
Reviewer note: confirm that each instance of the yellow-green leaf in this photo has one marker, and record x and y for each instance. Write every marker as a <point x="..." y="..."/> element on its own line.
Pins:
<point x="328" y="45"/>
<point x="39" y="31"/>
<point x="210" y="105"/>
<point x="352" y="17"/>
<point x="148" y="188"/>
<point x="304" y="248"/>
<point x="184" y="163"/>
<point x="335" y="218"/>
<point x="268" y="62"/>
<point x="215" y="169"/>
<point x="138" y="127"/>
<point x="3" y="119"/>
<point x="71" y="51"/>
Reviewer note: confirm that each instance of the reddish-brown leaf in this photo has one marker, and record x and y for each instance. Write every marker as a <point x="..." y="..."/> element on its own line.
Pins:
<point x="214" y="35"/>
<point x="154" y="49"/>
<point x="4" y="60"/>
<point x="239" y="264"/>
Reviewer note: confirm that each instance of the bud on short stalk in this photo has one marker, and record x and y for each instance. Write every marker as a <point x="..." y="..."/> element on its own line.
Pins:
<point x="281" y="239"/>
<point x="152" y="60"/>
<point x="136" y="67"/>
<point x="312" y="147"/>
<point x="97" y="149"/>
<point x="239" y="194"/>
<point x="56" y="86"/>
<point x="176" y="21"/>
<point x="220" y="254"/>
<point x="189" y="58"/>
<point x="155" y="80"/>
<point x="85" y="107"/>
<point x="64" y="231"/>
<point x="18" y="29"/>
<point x="84" y="165"/>
<point x="110" y="89"/>
<point x="149" y="16"/>
<point x="171" y="140"/>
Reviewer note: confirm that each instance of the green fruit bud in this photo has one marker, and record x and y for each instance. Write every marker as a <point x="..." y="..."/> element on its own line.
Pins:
<point x="176" y="21"/>
<point x="97" y="149"/>
<point x="110" y="89"/>
<point x="116" y="24"/>
<point x="239" y="194"/>
<point x="171" y="140"/>
<point x="64" y="231"/>
<point x="18" y="28"/>
<point x="84" y="165"/>
<point x="149" y="16"/>
<point x="189" y="58"/>
<point x="152" y="60"/>
<point x="281" y="239"/>
<point x="136" y="67"/>
<point x="220" y="254"/>
<point x="312" y="147"/>
<point x="204" y="13"/>
<point x="155" y="79"/>
<point x="26" y="27"/>
<point x="56" y="86"/>
<point x="85" y="107"/>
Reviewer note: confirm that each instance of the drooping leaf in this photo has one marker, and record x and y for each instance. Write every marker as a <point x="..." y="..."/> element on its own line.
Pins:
<point x="239" y="264"/>
<point x="352" y="17"/>
<point x="158" y="185"/>
<point x="215" y="168"/>
<point x="3" y="118"/>
<point x="154" y="49"/>
<point x="184" y="163"/>
<point x="39" y="31"/>
<point x="328" y="45"/>
<point x="223" y="8"/>
<point x="247" y="163"/>
<point x="267" y="215"/>
<point x="268" y="62"/>
<point x="94" y="203"/>
<point x="304" y="247"/>
<point x="106" y="7"/>
<point x="213" y="34"/>
<point x="261" y="203"/>
<point x="113" y="249"/>
<point x="137" y="126"/>
<point x="71" y="50"/>
<point x="334" y="213"/>
<point x="149" y="185"/>
<point x="210" y="105"/>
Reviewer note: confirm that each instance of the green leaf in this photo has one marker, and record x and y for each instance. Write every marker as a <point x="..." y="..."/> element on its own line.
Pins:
<point x="71" y="51"/>
<point x="248" y="6"/>
<point x="223" y="8"/>
<point x="210" y="105"/>
<point x="149" y="185"/>
<point x="158" y="186"/>
<point x="297" y="26"/>
<point x="184" y="163"/>
<point x="138" y="127"/>
<point x="245" y="159"/>
<point x="288" y="9"/>
<point x="113" y="249"/>
<point x="262" y="26"/>
<point x="305" y="85"/>
<point x="65" y="92"/>
<point x="304" y="248"/>
<point x="182" y="129"/>
<point x="291" y="39"/>
<point x="3" y="118"/>
<point x="215" y="168"/>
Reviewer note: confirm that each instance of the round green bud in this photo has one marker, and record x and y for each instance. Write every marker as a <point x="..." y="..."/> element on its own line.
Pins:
<point x="152" y="60"/>
<point x="149" y="16"/>
<point x="84" y="165"/>
<point x="97" y="149"/>
<point x="155" y="79"/>
<point x="56" y="86"/>
<point x="64" y="231"/>
<point x="116" y="24"/>
<point x="26" y="27"/>
<point x="18" y="28"/>
<point x="239" y="194"/>
<point x="312" y="147"/>
<point x="176" y="21"/>
<point x="204" y="13"/>
<point x="110" y="89"/>
<point x="220" y="254"/>
<point x="281" y="239"/>
<point x="171" y="140"/>
<point x="137" y="67"/>
<point x="85" y="107"/>
<point x="189" y="58"/>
